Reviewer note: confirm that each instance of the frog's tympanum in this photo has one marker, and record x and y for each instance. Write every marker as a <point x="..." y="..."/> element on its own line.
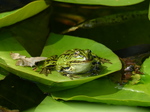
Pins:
<point x="73" y="62"/>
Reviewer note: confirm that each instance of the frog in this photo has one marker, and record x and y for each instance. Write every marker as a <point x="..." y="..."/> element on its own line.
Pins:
<point x="73" y="62"/>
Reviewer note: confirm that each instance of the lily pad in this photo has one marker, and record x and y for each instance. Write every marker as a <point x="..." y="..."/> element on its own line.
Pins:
<point x="56" y="44"/>
<point x="3" y="73"/>
<point x="11" y="17"/>
<point x="51" y="105"/>
<point x="103" y="90"/>
<point x="145" y="69"/>
<point x="149" y="12"/>
<point x="103" y="2"/>
<point x="146" y="66"/>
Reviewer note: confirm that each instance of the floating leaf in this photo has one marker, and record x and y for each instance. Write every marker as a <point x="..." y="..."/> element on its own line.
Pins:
<point x="145" y="69"/>
<point x="51" y="105"/>
<point x="3" y="73"/>
<point x="103" y="2"/>
<point x="146" y="66"/>
<point x="11" y="17"/>
<point x="105" y="91"/>
<point x="56" y="44"/>
<point x="149" y="12"/>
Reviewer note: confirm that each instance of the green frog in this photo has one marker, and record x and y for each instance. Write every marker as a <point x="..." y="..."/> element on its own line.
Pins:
<point x="74" y="61"/>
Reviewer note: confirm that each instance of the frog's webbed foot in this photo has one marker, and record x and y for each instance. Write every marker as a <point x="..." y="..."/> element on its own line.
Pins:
<point x="45" y="71"/>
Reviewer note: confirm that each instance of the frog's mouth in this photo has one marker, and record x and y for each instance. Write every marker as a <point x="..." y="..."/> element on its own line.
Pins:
<point x="78" y="61"/>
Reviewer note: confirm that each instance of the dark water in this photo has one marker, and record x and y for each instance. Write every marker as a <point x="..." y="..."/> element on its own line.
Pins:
<point x="134" y="50"/>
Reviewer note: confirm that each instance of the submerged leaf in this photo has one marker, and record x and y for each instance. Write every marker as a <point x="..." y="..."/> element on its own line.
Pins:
<point x="3" y="109"/>
<point x="109" y="20"/>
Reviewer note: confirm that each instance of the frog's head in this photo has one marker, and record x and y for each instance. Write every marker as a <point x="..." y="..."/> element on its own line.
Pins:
<point x="75" y="61"/>
<point x="85" y="55"/>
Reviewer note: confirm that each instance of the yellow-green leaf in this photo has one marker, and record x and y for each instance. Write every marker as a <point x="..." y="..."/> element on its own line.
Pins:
<point x="11" y="17"/>
<point x="103" y="2"/>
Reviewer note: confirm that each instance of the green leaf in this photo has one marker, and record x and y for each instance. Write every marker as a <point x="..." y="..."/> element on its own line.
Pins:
<point x="103" y="90"/>
<point x="103" y="2"/>
<point x="149" y="12"/>
<point x="2" y="77"/>
<point x="145" y="69"/>
<point x="7" y="45"/>
<point x="51" y="105"/>
<point x="3" y="73"/>
<point x="145" y="66"/>
<point x="56" y="44"/>
<point x="11" y="17"/>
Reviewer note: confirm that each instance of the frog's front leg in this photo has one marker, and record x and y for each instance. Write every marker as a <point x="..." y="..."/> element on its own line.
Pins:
<point x="45" y="71"/>
<point x="47" y="67"/>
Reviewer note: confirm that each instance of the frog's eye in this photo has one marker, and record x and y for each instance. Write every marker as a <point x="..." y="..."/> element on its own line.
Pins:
<point x="94" y="56"/>
<point x="76" y="52"/>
